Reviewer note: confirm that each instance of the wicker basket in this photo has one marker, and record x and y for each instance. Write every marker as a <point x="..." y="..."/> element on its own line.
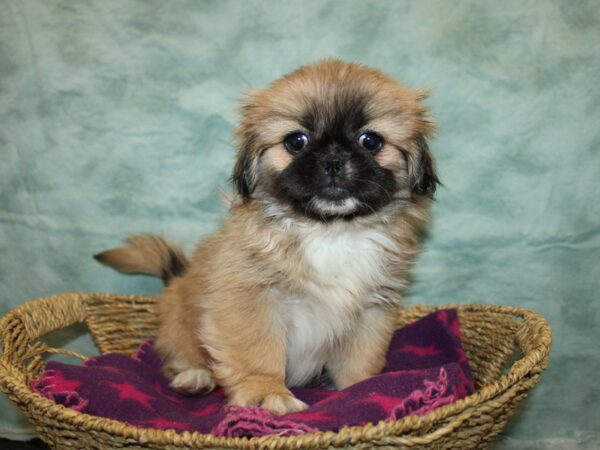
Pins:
<point x="492" y="336"/>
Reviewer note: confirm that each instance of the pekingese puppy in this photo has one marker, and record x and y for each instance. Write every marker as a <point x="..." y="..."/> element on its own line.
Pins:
<point x="333" y="178"/>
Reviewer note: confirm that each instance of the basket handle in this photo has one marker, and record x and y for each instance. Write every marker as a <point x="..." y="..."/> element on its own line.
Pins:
<point x="534" y="337"/>
<point x="20" y="352"/>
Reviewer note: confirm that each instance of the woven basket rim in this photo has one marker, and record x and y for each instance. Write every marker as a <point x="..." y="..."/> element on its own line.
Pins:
<point x="461" y="409"/>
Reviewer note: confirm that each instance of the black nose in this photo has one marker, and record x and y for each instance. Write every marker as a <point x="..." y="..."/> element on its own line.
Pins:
<point x="332" y="165"/>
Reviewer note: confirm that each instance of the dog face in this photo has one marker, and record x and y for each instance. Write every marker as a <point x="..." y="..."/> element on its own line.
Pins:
<point x="334" y="140"/>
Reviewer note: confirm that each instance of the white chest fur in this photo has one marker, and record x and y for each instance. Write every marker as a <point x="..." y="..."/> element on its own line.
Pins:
<point x="350" y="261"/>
<point x="346" y="266"/>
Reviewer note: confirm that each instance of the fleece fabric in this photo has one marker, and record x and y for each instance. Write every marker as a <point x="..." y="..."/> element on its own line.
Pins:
<point x="426" y="367"/>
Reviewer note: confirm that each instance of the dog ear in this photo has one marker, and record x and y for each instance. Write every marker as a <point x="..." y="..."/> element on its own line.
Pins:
<point x="244" y="172"/>
<point x="421" y="170"/>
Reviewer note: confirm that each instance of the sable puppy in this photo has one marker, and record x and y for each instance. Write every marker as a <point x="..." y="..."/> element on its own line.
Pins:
<point x="333" y="179"/>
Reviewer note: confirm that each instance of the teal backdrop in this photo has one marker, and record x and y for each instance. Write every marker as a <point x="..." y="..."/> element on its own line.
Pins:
<point x="116" y="118"/>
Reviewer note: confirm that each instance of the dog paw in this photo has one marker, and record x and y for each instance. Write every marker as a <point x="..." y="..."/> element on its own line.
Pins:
<point x="193" y="381"/>
<point x="280" y="404"/>
<point x="277" y="403"/>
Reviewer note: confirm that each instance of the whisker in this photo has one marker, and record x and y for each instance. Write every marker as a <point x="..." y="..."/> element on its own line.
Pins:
<point x="390" y="197"/>
<point x="372" y="210"/>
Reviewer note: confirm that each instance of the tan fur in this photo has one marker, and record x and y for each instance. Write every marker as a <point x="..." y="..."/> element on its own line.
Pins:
<point x="144" y="254"/>
<point x="276" y="158"/>
<point x="232" y="315"/>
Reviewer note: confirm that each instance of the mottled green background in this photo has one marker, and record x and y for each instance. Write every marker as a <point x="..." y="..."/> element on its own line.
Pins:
<point x="115" y="117"/>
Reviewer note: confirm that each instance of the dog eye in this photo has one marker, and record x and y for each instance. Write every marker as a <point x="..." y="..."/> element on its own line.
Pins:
<point x="295" y="142"/>
<point x="371" y="141"/>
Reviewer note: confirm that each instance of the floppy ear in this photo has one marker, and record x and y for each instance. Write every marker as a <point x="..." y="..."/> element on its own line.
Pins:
<point x="244" y="172"/>
<point x="421" y="170"/>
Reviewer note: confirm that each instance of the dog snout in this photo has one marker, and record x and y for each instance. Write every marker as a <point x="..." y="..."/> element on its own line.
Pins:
<point x="333" y="164"/>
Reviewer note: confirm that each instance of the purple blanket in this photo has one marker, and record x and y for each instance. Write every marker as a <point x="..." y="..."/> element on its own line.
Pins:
<point x="426" y="368"/>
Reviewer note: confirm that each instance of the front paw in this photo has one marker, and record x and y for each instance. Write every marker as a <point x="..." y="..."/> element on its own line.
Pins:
<point x="278" y="403"/>
<point x="193" y="381"/>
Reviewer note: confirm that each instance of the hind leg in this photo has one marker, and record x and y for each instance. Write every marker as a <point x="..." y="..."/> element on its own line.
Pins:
<point x="189" y="379"/>
<point x="186" y="362"/>
<point x="187" y="366"/>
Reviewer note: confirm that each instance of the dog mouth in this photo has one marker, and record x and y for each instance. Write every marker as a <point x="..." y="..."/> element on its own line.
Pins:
<point x="334" y="193"/>
<point x="333" y="200"/>
<point x="328" y="207"/>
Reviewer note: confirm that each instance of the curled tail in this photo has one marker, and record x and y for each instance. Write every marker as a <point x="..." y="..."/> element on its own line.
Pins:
<point x="146" y="254"/>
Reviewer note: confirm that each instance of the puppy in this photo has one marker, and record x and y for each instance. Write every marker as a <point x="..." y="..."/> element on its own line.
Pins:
<point x="333" y="178"/>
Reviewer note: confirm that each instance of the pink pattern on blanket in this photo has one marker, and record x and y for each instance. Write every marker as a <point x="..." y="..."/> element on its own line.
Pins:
<point x="426" y="368"/>
<point x="420" y="351"/>
<point x="420" y="402"/>
<point x="53" y="385"/>
<point x="257" y="422"/>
